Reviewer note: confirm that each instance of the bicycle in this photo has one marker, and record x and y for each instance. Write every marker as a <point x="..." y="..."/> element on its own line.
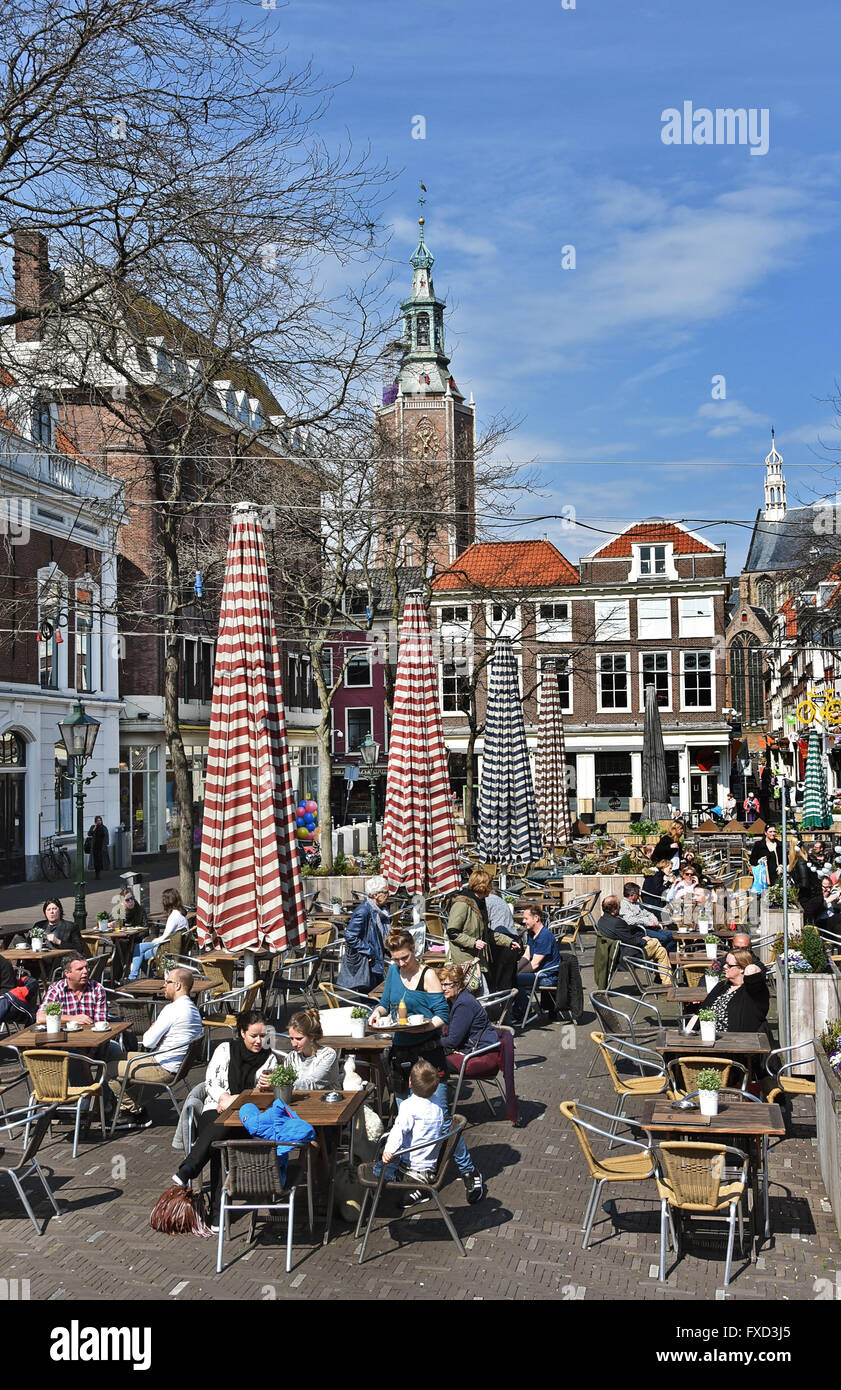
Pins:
<point x="55" y="861"/>
<point x="819" y="705"/>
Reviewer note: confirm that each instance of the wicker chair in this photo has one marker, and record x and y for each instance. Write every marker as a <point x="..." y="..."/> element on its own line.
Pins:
<point x="693" y="972"/>
<point x="337" y="997"/>
<point x="377" y="1185"/>
<point x="173" y="946"/>
<point x="634" y="1166"/>
<point x="252" y="1183"/>
<point x="618" y="1050"/>
<point x="683" y="1073"/>
<point x="693" y="1179"/>
<point x="49" y="1070"/>
<point x="784" y="1085"/>
<point x="35" y="1122"/>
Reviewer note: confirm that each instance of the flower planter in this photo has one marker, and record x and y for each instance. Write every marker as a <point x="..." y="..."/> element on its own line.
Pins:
<point x="771" y="921"/>
<point x="711" y="981"/>
<point x="708" y="1100"/>
<point x="707" y="1032"/>
<point x="815" y="1000"/>
<point x="334" y="885"/>
<point x="283" y="1093"/>
<point x="36" y="943"/>
<point x="53" y="1022"/>
<point x="711" y="948"/>
<point x="828" y="1113"/>
<point x="357" y="1027"/>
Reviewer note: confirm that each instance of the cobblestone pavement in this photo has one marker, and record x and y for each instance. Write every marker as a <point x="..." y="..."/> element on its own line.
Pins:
<point x="523" y="1241"/>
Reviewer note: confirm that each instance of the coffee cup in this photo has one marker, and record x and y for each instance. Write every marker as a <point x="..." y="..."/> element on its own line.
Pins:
<point x="73" y="1027"/>
<point x="101" y="1027"/>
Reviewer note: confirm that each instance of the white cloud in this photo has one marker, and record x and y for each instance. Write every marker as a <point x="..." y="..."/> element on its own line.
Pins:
<point x="729" y="417"/>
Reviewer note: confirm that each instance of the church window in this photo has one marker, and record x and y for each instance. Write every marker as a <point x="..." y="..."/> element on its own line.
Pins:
<point x="423" y="330"/>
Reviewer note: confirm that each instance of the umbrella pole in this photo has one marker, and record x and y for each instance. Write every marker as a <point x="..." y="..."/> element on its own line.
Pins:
<point x="786" y="993"/>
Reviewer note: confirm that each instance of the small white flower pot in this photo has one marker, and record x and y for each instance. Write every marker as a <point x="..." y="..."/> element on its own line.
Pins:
<point x="53" y="1023"/>
<point x="711" y="948"/>
<point x="708" y="1101"/>
<point x="36" y="943"/>
<point x="357" y="1027"/>
<point x="683" y="929"/>
<point x="337" y="909"/>
<point x="710" y="981"/>
<point x="707" y="1032"/>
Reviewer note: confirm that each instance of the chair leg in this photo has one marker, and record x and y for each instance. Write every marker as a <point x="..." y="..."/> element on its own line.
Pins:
<point x="23" y="1197"/>
<point x="119" y="1104"/>
<point x="618" y="1114"/>
<point x="222" y="1220"/>
<point x="730" y="1237"/>
<point x="361" y="1217"/>
<point x="589" y="1204"/>
<point x="290" y="1232"/>
<point x="663" y="1210"/>
<point x="78" y="1123"/>
<point x="374" y="1206"/>
<point x="36" y="1167"/>
<point x="594" y="1208"/>
<point x="448" y="1221"/>
<point x="102" y="1121"/>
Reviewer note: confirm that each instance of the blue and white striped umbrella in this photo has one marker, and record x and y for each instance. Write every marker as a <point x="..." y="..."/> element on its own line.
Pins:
<point x="816" y="812"/>
<point x="508" y="826"/>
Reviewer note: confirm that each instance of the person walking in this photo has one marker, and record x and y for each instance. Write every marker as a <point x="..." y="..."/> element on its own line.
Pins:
<point x="96" y="846"/>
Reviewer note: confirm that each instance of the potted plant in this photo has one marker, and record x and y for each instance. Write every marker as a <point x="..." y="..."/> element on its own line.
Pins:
<point x="337" y="906"/>
<point x="707" y="1021"/>
<point x="713" y="974"/>
<point x="711" y="945"/>
<point x="52" y="1013"/>
<point x="36" y="939"/>
<point x="358" y="1019"/>
<point x="283" y="1080"/>
<point x="709" y="1085"/>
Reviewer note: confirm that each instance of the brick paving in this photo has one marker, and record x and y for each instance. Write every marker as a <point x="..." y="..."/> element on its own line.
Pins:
<point x="523" y="1242"/>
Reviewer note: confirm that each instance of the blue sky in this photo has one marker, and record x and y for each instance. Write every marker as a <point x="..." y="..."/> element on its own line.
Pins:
<point x="543" y="130"/>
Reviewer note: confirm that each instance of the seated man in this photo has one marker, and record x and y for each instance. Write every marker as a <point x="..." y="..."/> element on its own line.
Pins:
<point x="82" y="1001"/>
<point x="829" y="915"/>
<point x="633" y="912"/>
<point x="542" y="956"/>
<point x="178" y="1023"/>
<point x="612" y="926"/>
<point x="740" y="941"/>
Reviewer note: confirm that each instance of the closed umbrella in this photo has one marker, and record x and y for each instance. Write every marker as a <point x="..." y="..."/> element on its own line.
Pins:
<point x="249" y="886"/>
<point x="816" y="813"/>
<point x="419" y="849"/>
<point x="655" y="781"/>
<point x="551" y="766"/>
<point x="508" y="826"/>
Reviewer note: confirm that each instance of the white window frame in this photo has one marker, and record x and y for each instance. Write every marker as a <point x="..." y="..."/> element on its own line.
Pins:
<point x="327" y="655"/>
<point x="613" y="709"/>
<point x="553" y="629"/>
<point x="618" y="610"/>
<point x="567" y="660"/>
<point x="350" y="653"/>
<point x="94" y="636"/>
<point x="49" y="574"/>
<point x="655" y="651"/>
<point x="662" y="625"/>
<point x="505" y="627"/>
<point x="696" y="624"/>
<point x="357" y="709"/>
<point x="635" y="571"/>
<point x="451" y="713"/>
<point x="453" y="622"/>
<point x="699" y="651"/>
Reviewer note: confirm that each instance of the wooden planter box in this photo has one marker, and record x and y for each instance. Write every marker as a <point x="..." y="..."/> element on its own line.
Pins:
<point x="828" y="1111"/>
<point x="815" y="999"/>
<point x="771" y="921"/>
<point x="604" y="884"/>
<point x="335" y="885"/>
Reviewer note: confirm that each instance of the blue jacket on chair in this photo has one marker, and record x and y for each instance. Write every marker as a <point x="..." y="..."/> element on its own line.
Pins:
<point x="362" y="964"/>
<point x="279" y="1124"/>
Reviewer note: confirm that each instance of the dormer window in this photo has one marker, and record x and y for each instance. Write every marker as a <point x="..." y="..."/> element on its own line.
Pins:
<point x="652" y="559"/>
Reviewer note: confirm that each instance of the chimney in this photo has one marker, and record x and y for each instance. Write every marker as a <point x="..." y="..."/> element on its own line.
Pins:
<point x="32" y="281"/>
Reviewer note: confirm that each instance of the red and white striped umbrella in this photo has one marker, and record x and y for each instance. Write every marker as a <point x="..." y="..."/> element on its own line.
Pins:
<point x="249" y="885"/>
<point x="551" y="766"/>
<point x="419" y="835"/>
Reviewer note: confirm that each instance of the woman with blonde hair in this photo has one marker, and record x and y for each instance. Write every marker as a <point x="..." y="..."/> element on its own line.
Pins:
<point x="470" y="936"/>
<point x="316" y="1066"/>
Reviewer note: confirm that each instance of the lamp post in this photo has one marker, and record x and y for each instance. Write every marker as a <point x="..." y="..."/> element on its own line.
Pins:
<point x="78" y="734"/>
<point x="369" y="752"/>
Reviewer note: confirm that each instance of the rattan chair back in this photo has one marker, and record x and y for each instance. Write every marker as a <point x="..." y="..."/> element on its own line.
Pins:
<point x="48" y="1071"/>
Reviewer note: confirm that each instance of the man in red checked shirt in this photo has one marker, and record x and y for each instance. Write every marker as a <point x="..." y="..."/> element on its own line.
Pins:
<point x="82" y="1000"/>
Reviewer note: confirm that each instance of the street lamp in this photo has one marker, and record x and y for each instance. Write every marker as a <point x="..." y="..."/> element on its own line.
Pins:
<point x="78" y="734"/>
<point x="369" y="751"/>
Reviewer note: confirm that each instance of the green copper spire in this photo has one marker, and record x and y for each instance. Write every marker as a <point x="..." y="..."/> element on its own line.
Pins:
<point x="425" y="367"/>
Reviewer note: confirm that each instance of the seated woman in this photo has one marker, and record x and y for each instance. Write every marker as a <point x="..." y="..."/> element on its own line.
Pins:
<point x="176" y="921"/>
<point x="740" y="1000"/>
<point x="420" y="987"/>
<point x="243" y="1064"/>
<point x="469" y="1026"/>
<point x="134" y="914"/>
<point x="316" y="1067"/>
<point x="58" y="931"/>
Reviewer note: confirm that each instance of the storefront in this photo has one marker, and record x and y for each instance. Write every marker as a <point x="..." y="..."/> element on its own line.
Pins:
<point x="196" y="755"/>
<point x="140" y="796"/>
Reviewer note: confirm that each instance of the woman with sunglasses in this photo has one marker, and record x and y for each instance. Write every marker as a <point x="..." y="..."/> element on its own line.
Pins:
<point x="740" y="999"/>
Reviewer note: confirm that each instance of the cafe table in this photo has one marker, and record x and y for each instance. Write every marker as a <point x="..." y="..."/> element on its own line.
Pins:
<point x="40" y="959"/>
<point x="315" y="1110"/>
<point x="755" y="1121"/>
<point x="74" y="1040"/>
<point x="682" y="994"/>
<point x="673" y="1042"/>
<point x="155" y="989"/>
<point x="122" y="942"/>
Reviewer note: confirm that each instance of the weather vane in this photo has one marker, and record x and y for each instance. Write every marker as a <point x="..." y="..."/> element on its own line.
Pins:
<point x="421" y="198"/>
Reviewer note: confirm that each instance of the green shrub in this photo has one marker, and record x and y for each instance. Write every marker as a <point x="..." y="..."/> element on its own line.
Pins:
<point x="709" y="1080"/>
<point x="809" y="944"/>
<point x="589" y="864"/>
<point x="284" y="1075"/>
<point x="645" y="827"/>
<point x="627" y="864"/>
<point x="831" y="1037"/>
<point x="706" y="1015"/>
<point x="775" y="894"/>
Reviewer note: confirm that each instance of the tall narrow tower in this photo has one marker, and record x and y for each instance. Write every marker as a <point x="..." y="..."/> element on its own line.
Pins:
<point x="775" y="485"/>
<point x="426" y="431"/>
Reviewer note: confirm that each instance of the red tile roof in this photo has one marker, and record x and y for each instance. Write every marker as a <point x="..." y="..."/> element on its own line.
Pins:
<point x="507" y="564"/>
<point x="790" y="612"/>
<point x="653" y="533"/>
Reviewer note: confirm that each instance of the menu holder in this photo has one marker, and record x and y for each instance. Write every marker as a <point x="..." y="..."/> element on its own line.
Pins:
<point x="693" y="1040"/>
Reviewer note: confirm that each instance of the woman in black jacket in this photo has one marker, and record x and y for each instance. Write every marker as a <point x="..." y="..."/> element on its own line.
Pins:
<point x="740" y="1000"/>
<point x="805" y="876"/>
<point x="670" y="845"/>
<point x="768" y="848"/>
<point x="96" y="846"/>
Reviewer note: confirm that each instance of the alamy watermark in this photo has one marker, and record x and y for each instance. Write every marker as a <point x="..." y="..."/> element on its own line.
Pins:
<point x="14" y="519"/>
<point x="725" y="125"/>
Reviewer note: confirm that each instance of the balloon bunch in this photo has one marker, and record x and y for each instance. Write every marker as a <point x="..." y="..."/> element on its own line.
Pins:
<point x="306" y="819"/>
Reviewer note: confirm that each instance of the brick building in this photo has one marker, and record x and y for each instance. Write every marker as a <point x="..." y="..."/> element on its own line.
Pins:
<point x="646" y="607"/>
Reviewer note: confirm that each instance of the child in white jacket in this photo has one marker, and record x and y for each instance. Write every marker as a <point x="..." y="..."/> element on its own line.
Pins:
<point x="418" y="1119"/>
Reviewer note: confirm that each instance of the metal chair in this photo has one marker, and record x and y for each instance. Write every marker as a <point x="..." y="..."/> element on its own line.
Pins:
<point x="481" y="1065"/>
<point x="619" y="1020"/>
<point x="294" y="975"/>
<point x="539" y="981"/>
<point x="496" y="1005"/>
<point x="237" y="1001"/>
<point x="371" y="1183"/>
<point x="618" y="1050"/>
<point x="634" y="1166"/>
<point x="338" y="997"/>
<point x="35" y="1123"/>
<point x="132" y="1075"/>
<point x="783" y="1083"/>
<point x="683" y="1073"/>
<point x="693" y="1179"/>
<point x="49" y="1070"/>
<point x="252" y="1183"/>
<point x="173" y="946"/>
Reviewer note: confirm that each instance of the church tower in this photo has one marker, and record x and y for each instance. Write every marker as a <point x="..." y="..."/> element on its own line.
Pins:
<point x="775" y="485"/>
<point x="426" y="431"/>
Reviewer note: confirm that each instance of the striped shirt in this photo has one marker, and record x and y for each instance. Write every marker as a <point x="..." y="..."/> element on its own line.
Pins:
<point x="92" y="1001"/>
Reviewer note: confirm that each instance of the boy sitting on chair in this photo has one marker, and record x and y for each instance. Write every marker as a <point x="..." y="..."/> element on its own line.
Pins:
<point x="418" y="1119"/>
